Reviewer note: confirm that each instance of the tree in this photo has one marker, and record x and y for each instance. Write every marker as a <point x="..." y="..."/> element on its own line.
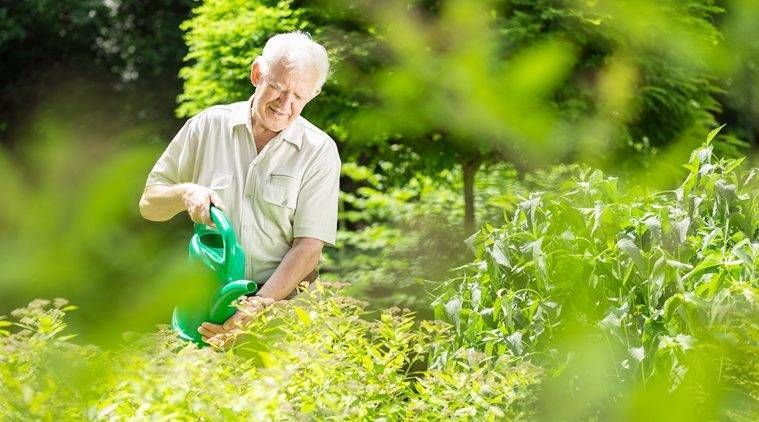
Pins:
<point x="131" y="50"/>
<point x="223" y="38"/>
<point x="435" y="84"/>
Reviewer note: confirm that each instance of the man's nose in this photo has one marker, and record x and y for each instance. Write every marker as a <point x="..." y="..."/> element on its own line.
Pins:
<point x="285" y="100"/>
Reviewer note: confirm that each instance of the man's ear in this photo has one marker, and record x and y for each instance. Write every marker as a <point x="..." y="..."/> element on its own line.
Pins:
<point x="255" y="73"/>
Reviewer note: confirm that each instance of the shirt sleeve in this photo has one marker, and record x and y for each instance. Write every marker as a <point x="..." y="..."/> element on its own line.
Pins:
<point x="177" y="162"/>
<point x="316" y="210"/>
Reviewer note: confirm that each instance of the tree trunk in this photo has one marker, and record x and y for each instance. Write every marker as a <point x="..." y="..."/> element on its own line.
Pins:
<point x="470" y="165"/>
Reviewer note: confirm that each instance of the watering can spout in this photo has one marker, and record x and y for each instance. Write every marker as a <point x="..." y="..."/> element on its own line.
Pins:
<point x="222" y="303"/>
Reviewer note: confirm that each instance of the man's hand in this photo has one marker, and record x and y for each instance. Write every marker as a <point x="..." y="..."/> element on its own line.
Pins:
<point x="161" y="202"/>
<point x="223" y="336"/>
<point x="197" y="201"/>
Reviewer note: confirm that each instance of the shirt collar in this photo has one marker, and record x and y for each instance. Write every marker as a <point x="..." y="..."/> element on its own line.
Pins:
<point x="292" y="134"/>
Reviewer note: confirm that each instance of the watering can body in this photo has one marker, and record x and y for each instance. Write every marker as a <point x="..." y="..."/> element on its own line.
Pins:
<point x="217" y="249"/>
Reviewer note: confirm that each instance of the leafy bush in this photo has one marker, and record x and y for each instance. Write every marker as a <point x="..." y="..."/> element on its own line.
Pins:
<point x="223" y="38"/>
<point x="312" y="358"/>
<point x="622" y="289"/>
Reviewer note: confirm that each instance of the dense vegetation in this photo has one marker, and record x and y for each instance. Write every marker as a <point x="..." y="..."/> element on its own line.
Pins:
<point x="591" y="300"/>
<point x="657" y="290"/>
<point x="315" y="358"/>
<point x="404" y="94"/>
<point x="474" y="276"/>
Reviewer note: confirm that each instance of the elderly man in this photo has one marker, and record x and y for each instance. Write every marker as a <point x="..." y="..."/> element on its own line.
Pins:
<point x="275" y="174"/>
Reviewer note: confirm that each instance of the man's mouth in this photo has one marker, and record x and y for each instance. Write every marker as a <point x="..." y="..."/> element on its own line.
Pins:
<point x="276" y="113"/>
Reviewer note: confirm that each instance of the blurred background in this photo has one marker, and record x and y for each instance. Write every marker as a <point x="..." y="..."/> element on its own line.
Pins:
<point x="440" y="110"/>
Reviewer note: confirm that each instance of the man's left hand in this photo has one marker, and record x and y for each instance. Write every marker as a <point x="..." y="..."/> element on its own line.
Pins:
<point x="223" y="336"/>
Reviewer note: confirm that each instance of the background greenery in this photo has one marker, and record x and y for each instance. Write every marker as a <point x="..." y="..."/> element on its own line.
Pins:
<point x="529" y="178"/>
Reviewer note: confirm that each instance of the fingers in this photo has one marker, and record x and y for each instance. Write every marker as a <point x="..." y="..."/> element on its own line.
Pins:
<point x="200" y="214"/>
<point x="198" y="200"/>
<point x="217" y="202"/>
<point x="238" y="320"/>
<point x="208" y="329"/>
<point x="221" y="336"/>
<point x="237" y="323"/>
<point x="255" y="302"/>
<point x="249" y="307"/>
<point x="222" y="341"/>
<point x="205" y="211"/>
<point x="215" y="335"/>
<point x="252" y="306"/>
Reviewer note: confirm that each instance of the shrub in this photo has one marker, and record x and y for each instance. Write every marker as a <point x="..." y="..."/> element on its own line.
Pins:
<point x="312" y="358"/>
<point x="622" y="289"/>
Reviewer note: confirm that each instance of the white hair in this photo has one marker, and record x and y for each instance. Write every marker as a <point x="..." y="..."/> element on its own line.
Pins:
<point x="298" y="52"/>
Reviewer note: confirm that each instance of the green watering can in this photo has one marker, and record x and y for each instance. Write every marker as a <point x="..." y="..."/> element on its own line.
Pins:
<point x="218" y="250"/>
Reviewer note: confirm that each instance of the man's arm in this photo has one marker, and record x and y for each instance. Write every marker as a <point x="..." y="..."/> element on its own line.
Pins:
<point x="162" y="202"/>
<point x="299" y="262"/>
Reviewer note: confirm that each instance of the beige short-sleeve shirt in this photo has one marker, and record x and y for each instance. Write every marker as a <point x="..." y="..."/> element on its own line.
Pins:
<point x="288" y="190"/>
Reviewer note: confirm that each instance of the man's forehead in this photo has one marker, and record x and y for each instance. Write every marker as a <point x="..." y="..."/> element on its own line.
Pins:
<point x="287" y="74"/>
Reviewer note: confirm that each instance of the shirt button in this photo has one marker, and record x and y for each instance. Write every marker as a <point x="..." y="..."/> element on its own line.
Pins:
<point x="284" y="202"/>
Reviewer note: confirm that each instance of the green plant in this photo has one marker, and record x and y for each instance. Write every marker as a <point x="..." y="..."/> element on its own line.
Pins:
<point x="658" y="289"/>
<point x="316" y="357"/>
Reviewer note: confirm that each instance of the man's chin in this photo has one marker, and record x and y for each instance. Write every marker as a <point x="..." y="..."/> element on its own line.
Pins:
<point x="277" y="126"/>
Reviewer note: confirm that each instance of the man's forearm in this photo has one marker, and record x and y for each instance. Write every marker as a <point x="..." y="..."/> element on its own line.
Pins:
<point x="162" y="202"/>
<point x="299" y="262"/>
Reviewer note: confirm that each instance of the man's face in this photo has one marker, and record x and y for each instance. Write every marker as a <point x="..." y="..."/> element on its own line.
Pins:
<point x="281" y="95"/>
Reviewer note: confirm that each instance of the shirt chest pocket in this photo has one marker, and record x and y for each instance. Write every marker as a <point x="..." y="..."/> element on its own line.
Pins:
<point x="281" y="190"/>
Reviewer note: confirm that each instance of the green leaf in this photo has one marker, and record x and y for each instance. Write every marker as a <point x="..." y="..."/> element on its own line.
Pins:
<point x="498" y="256"/>
<point x="733" y="164"/>
<point x="708" y="264"/>
<point x="712" y="134"/>
<point x="304" y="317"/>
<point x="629" y="247"/>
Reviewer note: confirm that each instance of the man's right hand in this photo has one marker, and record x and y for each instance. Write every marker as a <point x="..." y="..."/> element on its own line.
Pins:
<point x="161" y="202"/>
<point x="197" y="201"/>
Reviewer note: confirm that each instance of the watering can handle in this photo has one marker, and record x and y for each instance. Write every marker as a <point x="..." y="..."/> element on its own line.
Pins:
<point x="225" y="230"/>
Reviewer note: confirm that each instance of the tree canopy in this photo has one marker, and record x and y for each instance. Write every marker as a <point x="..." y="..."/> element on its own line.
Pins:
<point x="437" y="84"/>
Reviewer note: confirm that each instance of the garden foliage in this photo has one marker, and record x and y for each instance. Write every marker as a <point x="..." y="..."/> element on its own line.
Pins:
<point x="313" y="358"/>
<point x="393" y="239"/>
<point x="588" y="298"/>
<point x="655" y="288"/>
<point x="435" y="85"/>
